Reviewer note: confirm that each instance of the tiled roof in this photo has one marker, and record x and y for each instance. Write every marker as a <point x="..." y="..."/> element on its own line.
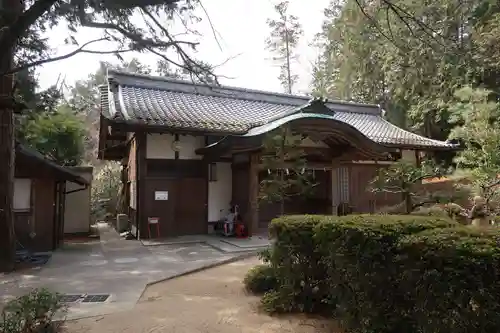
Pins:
<point x="183" y="105"/>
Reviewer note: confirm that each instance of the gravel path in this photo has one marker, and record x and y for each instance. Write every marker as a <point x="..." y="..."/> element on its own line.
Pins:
<point x="209" y="301"/>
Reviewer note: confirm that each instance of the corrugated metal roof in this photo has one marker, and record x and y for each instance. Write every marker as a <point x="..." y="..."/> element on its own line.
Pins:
<point x="180" y="104"/>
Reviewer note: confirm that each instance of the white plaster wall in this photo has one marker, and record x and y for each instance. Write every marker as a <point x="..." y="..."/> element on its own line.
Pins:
<point x="22" y="194"/>
<point x="77" y="206"/>
<point x="409" y="156"/>
<point x="160" y="146"/>
<point x="220" y="192"/>
<point x="188" y="145"/>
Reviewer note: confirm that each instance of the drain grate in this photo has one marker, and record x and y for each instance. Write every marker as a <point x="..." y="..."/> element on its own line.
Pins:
<point x="95" y="298"/>
<point x="70" y="298"/>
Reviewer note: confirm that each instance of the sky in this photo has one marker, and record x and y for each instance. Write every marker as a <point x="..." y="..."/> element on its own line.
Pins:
<point x="239" y="49"/>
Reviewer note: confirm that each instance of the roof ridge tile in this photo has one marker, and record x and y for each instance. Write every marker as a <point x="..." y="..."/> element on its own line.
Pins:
<point x="177" y="104"/>
<point x="184" y="86"/>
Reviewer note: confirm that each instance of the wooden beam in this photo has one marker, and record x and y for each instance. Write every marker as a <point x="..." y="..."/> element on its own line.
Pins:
<point x="253" y="195"/>
<point x="141" y="167"/>
<point x="309" y="165"/>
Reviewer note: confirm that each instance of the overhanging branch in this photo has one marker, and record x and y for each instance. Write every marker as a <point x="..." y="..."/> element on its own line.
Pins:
<point x="405" y="17"/>
<point x="138" y="39"/>
<point x="11" y="33"/>
<point x="81" y="49"/>
<point x="189" y="64"/>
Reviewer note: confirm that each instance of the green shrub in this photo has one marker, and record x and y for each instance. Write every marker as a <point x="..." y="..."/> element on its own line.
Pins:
<point x="434" y="210"/>
<point x="299" y="271"/>
<point x="358" y="252"/>
<point x="31" y="313"/>
<point x="456" y="288"/>
<point x="277" y="301"/>
<point x="388" y="273"/>
<point x="260" y="279"/>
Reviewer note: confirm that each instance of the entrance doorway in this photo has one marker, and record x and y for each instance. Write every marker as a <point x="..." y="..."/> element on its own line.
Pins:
<point x="178" y="204"/>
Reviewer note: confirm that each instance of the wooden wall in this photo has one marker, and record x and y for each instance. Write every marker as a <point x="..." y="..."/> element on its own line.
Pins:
<point x="40" y="220"/>
<point x="240" y="185"/>
<point x="361" y="199"/>
<point x="319" y="202"/>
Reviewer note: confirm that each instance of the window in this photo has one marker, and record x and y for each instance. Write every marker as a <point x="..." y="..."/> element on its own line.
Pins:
<point x="22" y="194"/>
<point x="212" y="172"/>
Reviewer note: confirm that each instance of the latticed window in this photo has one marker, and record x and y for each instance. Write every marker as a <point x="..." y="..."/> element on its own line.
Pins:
<point x="340" y="186"/>
<point x="344" y="184"/>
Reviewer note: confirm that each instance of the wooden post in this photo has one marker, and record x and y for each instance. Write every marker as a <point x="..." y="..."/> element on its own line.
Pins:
<point x="335" y="187"/>
<point x="253" y="194"/>
<point x="142" y="215"/>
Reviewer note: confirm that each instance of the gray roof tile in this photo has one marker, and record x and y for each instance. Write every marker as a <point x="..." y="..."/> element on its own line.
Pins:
<point x="180" y="104"/>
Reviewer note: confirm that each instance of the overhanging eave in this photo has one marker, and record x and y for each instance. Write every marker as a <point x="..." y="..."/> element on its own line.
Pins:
<point x="318" y="124"/>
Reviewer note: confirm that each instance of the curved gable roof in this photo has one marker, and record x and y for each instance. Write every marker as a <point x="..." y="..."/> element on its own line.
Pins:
<point x="176" y="104"/>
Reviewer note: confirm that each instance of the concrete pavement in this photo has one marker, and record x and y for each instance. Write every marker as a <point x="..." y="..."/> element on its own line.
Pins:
<point x="115" y="266"/>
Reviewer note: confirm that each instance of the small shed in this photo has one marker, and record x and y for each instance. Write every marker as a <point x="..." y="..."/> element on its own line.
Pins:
<point x="39" y="199"/>
<point x="77" y="207"/>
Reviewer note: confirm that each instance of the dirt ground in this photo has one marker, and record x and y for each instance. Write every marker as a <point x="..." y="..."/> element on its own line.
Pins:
<point x="212" y="301"/>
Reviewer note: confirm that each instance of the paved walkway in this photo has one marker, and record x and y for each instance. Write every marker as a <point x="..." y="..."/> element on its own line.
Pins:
<point x="222" y="244"/>
<point x="115" y="266"/>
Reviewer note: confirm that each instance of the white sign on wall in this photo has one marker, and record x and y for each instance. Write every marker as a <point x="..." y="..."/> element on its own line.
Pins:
<point x="161" y="195"/>
<point x="153" y="220"/>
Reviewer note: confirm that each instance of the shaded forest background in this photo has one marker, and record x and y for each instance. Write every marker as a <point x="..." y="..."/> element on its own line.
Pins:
<point x="411" y="57"/>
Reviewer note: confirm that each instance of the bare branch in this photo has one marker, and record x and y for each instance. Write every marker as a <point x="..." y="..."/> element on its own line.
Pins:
<point x="214" y="32"/>
<point x="422" y="177"/>
<point x="387" y="190"/>
<point x="184" y="24"/>
<point x="422" y="203"/>
<point x="405" y="17"/>
<point x="142" y="42"/>
<point x="65" y="56"/>
<point x="400" y="12"/>
<point x="388" y="19"/>
<point x="227" y="60"/>
<point x="412" y="17"/>
<point x="376" y="25"/>
<point x="189" y="64"/>
<point x="491" y="184"/>
<point x="167" y="59"/>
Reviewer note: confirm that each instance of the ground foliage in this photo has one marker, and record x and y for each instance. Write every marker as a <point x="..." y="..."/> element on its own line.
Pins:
<point x="387" y="273"/>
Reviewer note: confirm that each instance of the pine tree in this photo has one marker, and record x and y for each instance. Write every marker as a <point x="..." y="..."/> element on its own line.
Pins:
<point x="282" y="156"/>
<point x="286" y="166"/>
<point x="285" y="35"/>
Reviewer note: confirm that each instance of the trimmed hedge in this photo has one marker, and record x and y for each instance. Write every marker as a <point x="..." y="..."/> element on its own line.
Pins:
<point x="457" y="288"/>
<point x="260" y="279"/>
<point x="358" y="252"/>
<point x="297" y="265"/>
<point x="388" y="273"/>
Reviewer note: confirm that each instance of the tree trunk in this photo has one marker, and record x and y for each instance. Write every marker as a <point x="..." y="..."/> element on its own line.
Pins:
<point x="282" y="199"/>
<point x="408" y="202"/>
<point x="282" y="171"/>
<point x="7" y="239"/>
<point x="288" y="69"/>
<point x="7" y="149"/>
